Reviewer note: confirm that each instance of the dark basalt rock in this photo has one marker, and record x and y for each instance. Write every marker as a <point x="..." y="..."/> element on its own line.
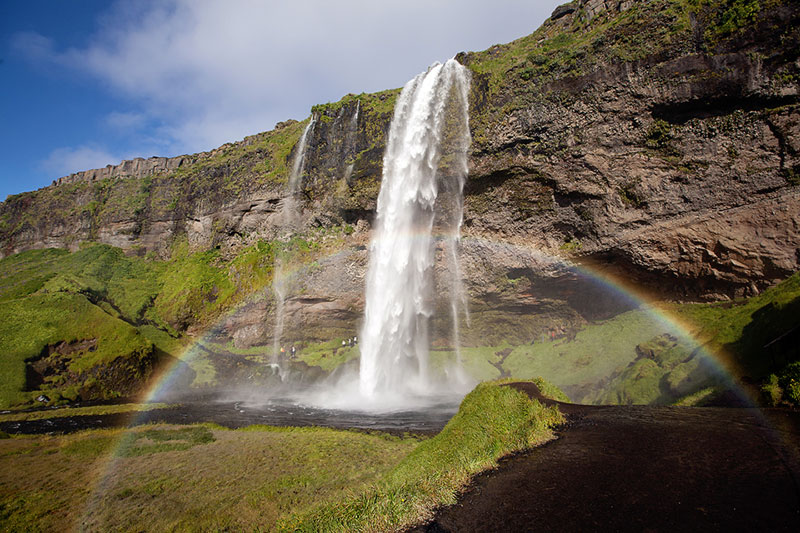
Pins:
<point x="562" y="10"/>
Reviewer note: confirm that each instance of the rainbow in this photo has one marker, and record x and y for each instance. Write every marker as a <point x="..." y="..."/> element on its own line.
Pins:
<point x="616" y="287"/>
<point x="636" y="297"/>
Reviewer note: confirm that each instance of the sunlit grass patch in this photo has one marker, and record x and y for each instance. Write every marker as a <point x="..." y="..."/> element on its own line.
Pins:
<point x="328" y="355"/>
<point x="243" y="480"/>
<point x="698" y="398"/>
<point x="199" y="478"/>
<point x="91" y="446"/>
<point x="163" y="440"/>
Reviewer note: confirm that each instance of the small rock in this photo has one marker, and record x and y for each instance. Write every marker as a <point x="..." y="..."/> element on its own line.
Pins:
<point x="42" y="398"/>
<point x="563" y="10"/>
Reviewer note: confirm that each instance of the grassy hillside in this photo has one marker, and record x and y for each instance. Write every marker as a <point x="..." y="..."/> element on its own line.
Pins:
<point x="94" y="323"/>
<point x="601" y="363"/>
<point x="759" y="338"/>
<point x="638" y="357"/>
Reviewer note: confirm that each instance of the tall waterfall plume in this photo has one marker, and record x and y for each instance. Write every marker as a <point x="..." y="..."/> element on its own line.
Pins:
<point x="426" y="154"/>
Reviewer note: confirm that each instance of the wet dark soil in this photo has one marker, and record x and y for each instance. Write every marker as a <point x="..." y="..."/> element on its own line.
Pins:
<point x="621" y="468"/>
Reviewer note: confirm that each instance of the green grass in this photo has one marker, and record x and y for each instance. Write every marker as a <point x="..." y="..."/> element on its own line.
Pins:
<point x="198" y="478"/>
<point x="28" y="325"/>
<point x="82" y="411"/>
<point x="327" y="355"/>
<point x="101" y="272"/>
<point x="163" y="440"/>
<point x="597" y="351"/>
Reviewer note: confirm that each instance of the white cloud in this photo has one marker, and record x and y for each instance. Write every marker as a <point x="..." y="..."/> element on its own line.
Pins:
<point x="209" y="72"/>
<point x="65" y="161"/>
<point x="124" y="122"/>
<point x="33" y="46"/>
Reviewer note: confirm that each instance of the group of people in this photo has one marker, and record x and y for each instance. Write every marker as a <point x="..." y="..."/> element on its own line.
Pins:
<point x="292" y="351"/>
<point x="352" y="341"/>
<point x="554" y="333"/>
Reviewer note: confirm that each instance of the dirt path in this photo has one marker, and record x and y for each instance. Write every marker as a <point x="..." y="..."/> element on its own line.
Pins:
<point x="644" y="469"/>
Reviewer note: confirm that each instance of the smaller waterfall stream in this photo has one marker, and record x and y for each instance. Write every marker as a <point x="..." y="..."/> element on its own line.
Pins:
<point x="289" y="220"/>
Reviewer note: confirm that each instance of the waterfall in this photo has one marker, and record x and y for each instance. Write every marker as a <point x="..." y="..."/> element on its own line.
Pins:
<point x="427" y="148"/>
<point x="289" y="210"/>
<point x="289" y="219"/>
<point x="349" y="140"/>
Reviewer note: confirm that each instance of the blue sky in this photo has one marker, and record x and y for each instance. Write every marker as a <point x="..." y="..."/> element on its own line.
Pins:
<point x="86" y="83"/>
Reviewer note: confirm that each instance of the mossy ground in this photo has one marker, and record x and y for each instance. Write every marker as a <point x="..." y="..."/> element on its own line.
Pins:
<point x="657" y="355"/>
<point x="206" y="478"/>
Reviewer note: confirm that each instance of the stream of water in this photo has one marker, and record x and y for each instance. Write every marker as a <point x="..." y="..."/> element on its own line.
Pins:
<point x="289" y="218"/>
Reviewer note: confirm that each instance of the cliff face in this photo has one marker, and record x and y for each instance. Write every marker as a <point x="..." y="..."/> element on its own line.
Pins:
<point x="657" y="140"/>
<point x="677" y="167"/>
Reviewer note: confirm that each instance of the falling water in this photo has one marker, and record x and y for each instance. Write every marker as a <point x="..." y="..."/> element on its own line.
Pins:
<point x="349" y="143"/>
<point x="430" y="122"/>
<point x="289" y="217"/>
<point x="289" y="210"/>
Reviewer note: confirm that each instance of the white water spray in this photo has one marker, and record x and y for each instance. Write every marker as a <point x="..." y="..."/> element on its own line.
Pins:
<point x="289" y="218"/>
<point x="430" y="121"/>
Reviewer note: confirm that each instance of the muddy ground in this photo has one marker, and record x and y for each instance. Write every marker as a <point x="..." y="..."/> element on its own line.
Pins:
<point x="623" y="468"/>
